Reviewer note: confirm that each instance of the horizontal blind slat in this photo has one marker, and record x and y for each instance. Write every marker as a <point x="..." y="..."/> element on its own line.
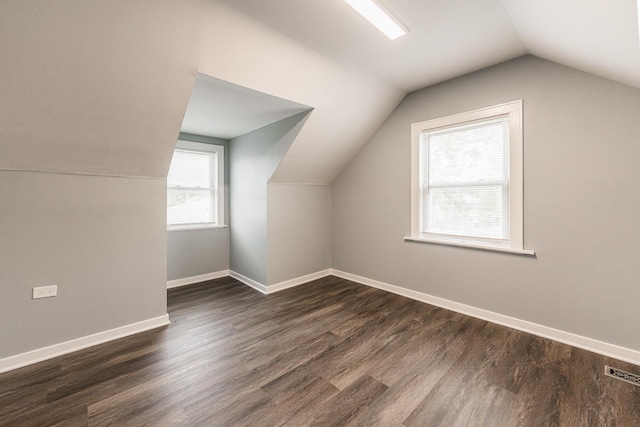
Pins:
<point x="466" y="179"/>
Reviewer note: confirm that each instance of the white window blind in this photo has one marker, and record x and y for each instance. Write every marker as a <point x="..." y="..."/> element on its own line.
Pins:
<point x="465" y="180"/>
<point x="191" y="188"/>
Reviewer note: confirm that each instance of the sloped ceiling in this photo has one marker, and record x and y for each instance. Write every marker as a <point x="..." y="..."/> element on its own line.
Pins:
<point x="599" y="37"/>
<point x="348" y="103"/>
<point x="446" y="38"/>
<point x="93" y="87"/>
<point x="449" y="38"/>
<point x="224" y="110"/>
<point x="101" y="87"/>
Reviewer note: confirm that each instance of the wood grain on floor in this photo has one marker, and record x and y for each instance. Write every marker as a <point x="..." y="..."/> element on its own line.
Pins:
<point x="327" y="353"/>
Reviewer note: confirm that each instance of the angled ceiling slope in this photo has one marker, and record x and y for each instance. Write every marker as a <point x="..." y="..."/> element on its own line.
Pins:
<point x="225" y="110"/>
<point x="446" y="38"/>
<point x="348" y="103"/>
<point x="449" y="38"/>
<point x="599" y="37"/>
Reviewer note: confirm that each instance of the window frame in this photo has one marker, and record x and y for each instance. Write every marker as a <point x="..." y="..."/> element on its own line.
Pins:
<point x="217" y="183"/>
<point x="515" y="243"/>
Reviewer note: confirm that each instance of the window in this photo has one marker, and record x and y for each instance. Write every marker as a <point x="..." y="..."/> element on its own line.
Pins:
<point x="195" y="194"/>
<point x="467" y="179"/>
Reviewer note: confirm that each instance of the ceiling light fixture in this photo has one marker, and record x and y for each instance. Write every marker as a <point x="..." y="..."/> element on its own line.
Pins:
<point x="374" y="14"/>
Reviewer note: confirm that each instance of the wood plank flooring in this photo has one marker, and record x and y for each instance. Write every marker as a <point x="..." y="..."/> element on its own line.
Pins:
<point x="327" y="353"/>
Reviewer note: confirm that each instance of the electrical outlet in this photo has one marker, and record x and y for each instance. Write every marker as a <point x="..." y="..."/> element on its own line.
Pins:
<point x="45" y="292"/>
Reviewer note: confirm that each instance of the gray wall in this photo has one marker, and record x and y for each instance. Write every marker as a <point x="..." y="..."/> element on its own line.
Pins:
<point x="253" y="159"/>
<point x="195" y="252"/>
<point x="98" y="238"/>
<point x="103" y="109"/>
<point x="298" y="231"/>
<point x="71" y="217"/>
<point x="581" y="208"/>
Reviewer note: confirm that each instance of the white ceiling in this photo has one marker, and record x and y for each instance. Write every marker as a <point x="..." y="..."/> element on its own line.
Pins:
<point x="597" y="36"/>
<point x="225" y="110"/>
<point x="321" y="53"/>
<point x="117" y="82"/>
<point x="449" y="38"/>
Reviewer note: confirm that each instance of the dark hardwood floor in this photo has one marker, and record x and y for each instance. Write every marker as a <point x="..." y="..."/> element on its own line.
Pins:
<point x="327" y="353"/>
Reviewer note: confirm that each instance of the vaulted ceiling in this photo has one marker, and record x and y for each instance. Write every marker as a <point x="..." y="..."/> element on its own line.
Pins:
<point x="449" y="38"/>
<point x="224" y="110"/>
<point x="102" y="87"/>
<point x="446" y="39"/>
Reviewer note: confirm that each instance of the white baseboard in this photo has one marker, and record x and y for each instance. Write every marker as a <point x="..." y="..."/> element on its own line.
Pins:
<point x="244" y="279"/>
<point x="45" y="353"/>
<point x="297" y="281"/>
<point x="279" y="286"/>
<point x="196" y="279"/>
<point x="585" y="343"/>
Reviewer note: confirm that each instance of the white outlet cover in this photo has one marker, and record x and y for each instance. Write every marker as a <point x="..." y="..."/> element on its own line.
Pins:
<point x="44" y="292"/>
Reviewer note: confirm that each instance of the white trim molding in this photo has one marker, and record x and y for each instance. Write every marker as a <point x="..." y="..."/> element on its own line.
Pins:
<point x="471" y="246"/>
<point x="196" y="279"/>
<point x="509" y="116"/>
<point x="247" y="281"/>
<point x="585" y="343"/>
<point x="270" y="289"/>
<point x="215" y="185"/>
<point x="297" y="281"/>
<point x="29" y="358"/>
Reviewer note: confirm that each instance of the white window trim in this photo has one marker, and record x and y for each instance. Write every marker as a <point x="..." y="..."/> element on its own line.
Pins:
<point x="193" y="227"/>
<point x="516" y="184"/>
<point x="219" y="151"/>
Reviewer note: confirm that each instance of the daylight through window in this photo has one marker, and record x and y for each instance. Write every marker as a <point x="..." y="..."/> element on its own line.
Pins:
<point x="193" y="195"/>
<point x="467" y="178"/>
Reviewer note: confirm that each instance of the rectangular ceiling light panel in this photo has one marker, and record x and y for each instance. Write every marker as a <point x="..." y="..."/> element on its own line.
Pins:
<point x="374" y="14"/>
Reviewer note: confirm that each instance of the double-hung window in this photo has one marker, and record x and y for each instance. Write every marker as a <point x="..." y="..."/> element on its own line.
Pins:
<point x="195" y="194"/>
<point x="467" y="180"/>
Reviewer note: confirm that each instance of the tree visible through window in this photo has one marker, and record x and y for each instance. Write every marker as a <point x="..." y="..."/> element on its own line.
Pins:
<point x="466" y="180"/>
<point x="468" y="177"/>
<point x="193" y="196"/>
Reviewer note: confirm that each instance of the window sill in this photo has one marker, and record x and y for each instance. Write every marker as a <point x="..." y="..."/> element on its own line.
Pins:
<point x="472" y="246"/>
<point x="193" y="227"/>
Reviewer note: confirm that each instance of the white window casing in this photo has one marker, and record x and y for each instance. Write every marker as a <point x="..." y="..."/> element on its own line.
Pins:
<point x="467" y="179"/>
<point x="195" y="187"/>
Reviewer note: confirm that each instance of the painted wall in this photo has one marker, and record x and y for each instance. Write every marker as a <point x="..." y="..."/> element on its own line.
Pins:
<point x="96" y="238"/>
<point x="348" y="104"/>
<point x="97" y="91"/>
<point x="253" y="159"/>
<point x="195" y="252"/>
<point x="581" y="210"/>
<point x="298" y="231"/>
<point x="92" y="100"/>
